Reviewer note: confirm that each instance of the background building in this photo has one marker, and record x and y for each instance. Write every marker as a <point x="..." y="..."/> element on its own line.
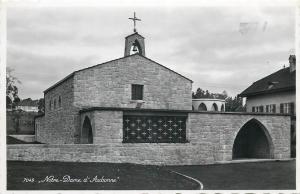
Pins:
<point x="275" y="93"/>
<point x="28" y="105"/>
<point x="205" y="104"/>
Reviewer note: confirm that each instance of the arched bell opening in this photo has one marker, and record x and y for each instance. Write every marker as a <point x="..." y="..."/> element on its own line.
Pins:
<point x="135" y="48"/>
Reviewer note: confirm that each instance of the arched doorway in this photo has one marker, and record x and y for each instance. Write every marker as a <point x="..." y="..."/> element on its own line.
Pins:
<point x="202" y="107"/>
<point x="252" y="141"/>
<point x="214" y="107"/>
<point x="87" y="132"/>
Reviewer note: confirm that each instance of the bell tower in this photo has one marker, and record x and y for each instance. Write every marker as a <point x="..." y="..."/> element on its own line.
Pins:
<point x="134" y="43"/>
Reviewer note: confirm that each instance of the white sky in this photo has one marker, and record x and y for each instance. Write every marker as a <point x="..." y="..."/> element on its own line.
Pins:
<point x="205" y="44"/>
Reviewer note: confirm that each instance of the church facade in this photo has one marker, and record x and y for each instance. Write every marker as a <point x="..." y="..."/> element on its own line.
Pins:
<point x="127" y="82"/>
<point x="133" y="109"/>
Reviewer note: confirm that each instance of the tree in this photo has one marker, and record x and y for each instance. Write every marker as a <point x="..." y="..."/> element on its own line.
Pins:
<point x="12" y="97"/>
<point x="206" y="94"/>
<point x="234" y="104"/>
<point x="41" y="105"/>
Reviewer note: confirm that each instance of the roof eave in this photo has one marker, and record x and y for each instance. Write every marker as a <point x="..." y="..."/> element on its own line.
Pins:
<point x="292" y="88"/>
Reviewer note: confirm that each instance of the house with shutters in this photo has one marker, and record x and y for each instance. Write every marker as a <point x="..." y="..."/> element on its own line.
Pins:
<point x="275" y="93"/>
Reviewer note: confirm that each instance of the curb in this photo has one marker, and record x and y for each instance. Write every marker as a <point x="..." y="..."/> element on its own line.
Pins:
<point x="254" y="160"/>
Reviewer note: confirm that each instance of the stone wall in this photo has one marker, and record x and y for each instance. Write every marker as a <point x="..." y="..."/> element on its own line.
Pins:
<point x="109" y="85"/>
<point x="154" y="154"/>
<point x="106" y="125"/>
<point x="219" y="132"/>
<point x="60" y="122"/>
<point x="40" y="133"/>
<point x="210" y="139"/>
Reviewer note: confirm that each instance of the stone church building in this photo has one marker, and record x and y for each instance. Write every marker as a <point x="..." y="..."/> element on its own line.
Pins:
<point x="133" y="109"/>
<point x="127" y="82"/>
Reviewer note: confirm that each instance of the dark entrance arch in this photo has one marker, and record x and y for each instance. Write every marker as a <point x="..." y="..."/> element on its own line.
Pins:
<point x="252" y="141"/>
<point x="87" y="132"/>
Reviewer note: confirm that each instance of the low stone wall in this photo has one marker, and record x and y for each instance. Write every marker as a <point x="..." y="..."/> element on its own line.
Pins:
<point x="156" y="154"/>
<point x="220" y="130"/>
<point x="210" y="139"/>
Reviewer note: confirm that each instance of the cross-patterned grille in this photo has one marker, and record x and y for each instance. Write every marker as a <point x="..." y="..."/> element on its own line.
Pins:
<point x="154" y="129"/>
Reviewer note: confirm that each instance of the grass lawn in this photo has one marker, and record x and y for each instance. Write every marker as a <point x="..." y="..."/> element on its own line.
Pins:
<point x="127" y="176"/>
<point x="243" y="176"/>
<point x="273" y="175"/>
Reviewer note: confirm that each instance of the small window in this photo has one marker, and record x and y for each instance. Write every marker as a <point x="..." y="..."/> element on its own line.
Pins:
<point x="292" y="108"/>
<point x="137" y="92"/>
<point x="281" y="108"/>
<point x="50" y="104"/>
<point x="55" y="104"/>
<point x="268" y="108"/>
<point x="59" y="101"/>
<point x="273" y="109"/>
<point x="287" y="108"/>
<point x="261" y="108"/>
<point x="253" y="108"/>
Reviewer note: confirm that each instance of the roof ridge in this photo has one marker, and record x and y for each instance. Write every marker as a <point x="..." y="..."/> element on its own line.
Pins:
<point x="135" y="33"/>
<point x="271" y="74"/>
<point x="166" y="67"/>
<point x="283" y="78"/>
<point x="71" y="74"/>
<point x="136" y="54"/>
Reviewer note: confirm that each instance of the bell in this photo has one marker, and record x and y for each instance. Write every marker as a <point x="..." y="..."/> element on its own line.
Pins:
<point x="135" y="49"/>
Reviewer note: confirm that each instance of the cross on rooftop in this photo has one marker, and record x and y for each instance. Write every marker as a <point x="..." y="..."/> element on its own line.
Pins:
<point x="134" y="19"/>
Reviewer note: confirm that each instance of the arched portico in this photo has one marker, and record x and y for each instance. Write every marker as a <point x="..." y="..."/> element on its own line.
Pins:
<point x="253" y="141"/>
<point x="202" y="107"/>
<point x="222" y="108"/>
<point x="87" y="132"/>
<point x="214" y="107"/>
<point x="207" y="104"/>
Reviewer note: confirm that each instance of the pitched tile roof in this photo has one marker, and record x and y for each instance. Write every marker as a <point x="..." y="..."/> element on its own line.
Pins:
<point x="282" y="80"/>
<point x="28" y="102"/>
